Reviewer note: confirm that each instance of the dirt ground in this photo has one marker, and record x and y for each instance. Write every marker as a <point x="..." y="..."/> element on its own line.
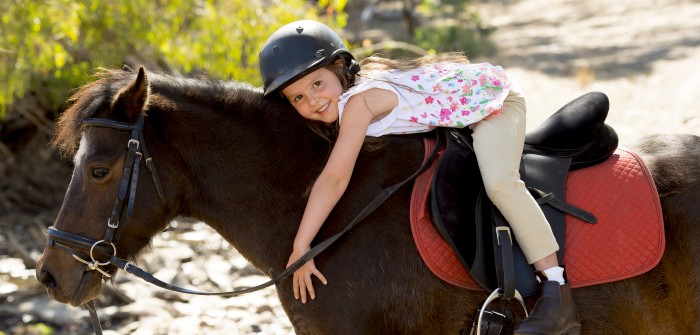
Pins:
<point x="644" y="54"/>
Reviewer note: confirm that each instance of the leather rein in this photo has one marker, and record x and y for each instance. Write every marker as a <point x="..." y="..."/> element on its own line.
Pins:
<point x="123" y="209"/>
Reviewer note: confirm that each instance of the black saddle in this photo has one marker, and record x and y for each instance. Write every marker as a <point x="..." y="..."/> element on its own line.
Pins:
<point x="573" y="137"/>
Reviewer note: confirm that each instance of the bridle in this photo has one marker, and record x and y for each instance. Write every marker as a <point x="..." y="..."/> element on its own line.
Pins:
<point x="123" y="208"/>
<point x="123" y="205"/>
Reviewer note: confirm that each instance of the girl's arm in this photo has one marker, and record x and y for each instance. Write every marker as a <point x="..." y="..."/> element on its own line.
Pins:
<point x="360" y="110"/>
<point x="335" y="177"/>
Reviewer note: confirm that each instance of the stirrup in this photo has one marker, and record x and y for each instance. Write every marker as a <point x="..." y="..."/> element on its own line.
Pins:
<point x="493" y="296"/>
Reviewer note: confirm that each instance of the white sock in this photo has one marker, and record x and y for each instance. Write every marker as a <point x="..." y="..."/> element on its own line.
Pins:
<point x="555" y="273"/>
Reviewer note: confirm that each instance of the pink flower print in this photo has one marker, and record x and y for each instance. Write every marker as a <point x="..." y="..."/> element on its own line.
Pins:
<point x="449" y="99"/>
<point x="424" y="115"/>
<point x="437" y="88"/>
<point x="465" y="112"/>
<point x="413" y="119"/>
<point x="466" y="88"/>
<point x="429" y="100"/>
<point x="482" y="80"/>
<point x="445" y="114"/>
<point x="453" y="106"/>
<point x="496" y="83"/>
<point x="415" y="78"/>
<point x="463" y="100"/>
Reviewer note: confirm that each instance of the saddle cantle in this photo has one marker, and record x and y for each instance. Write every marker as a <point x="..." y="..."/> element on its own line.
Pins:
<point x="553" y="149"/>
<point x="577" y="130"/>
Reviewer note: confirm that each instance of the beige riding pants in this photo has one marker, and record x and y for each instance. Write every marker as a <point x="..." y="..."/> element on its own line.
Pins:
<point x="498" y="144"/>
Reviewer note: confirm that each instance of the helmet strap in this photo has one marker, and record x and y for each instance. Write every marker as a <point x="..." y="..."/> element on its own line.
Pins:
<point x="353" y="67"/>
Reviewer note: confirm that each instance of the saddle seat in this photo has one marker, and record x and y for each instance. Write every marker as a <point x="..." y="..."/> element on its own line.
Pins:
<point x="577" y="130"/>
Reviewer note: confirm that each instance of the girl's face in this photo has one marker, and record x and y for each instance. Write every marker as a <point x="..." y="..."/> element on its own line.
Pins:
<point x="316" y="95"/>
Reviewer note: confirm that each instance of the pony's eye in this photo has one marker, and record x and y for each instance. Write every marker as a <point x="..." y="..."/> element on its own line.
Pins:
<point x="99" y="173"/>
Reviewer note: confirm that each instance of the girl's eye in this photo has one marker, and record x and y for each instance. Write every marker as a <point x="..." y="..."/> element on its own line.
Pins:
<point x="99" y="173"/>
<point x="297" y="98"/>
<point x="317" y="84"/>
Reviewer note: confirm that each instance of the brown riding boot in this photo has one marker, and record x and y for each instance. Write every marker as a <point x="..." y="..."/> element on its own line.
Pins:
<point x="554" y="312"/>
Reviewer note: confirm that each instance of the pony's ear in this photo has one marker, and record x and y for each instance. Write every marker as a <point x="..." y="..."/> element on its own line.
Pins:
<point x="131" y="100"/>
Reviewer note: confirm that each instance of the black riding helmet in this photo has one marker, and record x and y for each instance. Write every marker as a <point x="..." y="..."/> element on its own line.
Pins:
<point x="298" y="49"/>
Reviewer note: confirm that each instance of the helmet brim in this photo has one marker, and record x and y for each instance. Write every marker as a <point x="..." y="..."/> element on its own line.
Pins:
<point x="291" y="76"/>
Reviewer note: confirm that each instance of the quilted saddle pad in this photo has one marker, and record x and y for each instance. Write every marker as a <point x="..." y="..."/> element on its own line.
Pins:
<point x="627" y="241"/>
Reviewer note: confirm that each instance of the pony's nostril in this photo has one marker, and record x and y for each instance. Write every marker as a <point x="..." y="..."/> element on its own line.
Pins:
<point x="47" y="279"/>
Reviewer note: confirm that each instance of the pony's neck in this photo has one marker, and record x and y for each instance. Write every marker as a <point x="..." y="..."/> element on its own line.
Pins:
<point x="241" y="164"/>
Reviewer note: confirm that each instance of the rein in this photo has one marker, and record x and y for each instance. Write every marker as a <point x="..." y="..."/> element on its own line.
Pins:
<point x="106" y="246"/>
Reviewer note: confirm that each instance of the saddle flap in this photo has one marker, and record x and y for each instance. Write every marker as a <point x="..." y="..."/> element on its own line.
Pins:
<point x="456" y="182"/>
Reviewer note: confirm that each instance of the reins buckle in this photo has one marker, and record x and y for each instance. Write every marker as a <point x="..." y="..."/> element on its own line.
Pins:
<point x="498" y="236"/>
<point x="112" y="225"/>
<point x="133" y="141"/>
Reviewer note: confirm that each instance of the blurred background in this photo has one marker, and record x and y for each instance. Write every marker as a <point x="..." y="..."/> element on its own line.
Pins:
<point x="643" y="53"/>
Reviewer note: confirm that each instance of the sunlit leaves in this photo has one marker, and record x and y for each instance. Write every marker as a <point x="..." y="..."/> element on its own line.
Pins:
<point x="52" y="46"/>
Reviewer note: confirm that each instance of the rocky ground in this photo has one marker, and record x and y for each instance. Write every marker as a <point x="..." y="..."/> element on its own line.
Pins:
<point x="643" y="54"/>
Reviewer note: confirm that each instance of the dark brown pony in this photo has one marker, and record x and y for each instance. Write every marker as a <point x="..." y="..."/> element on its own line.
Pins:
<point x="242" y="164"/>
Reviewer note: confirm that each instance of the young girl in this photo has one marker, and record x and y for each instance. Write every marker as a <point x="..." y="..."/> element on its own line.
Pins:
<point x="307" y="63"/>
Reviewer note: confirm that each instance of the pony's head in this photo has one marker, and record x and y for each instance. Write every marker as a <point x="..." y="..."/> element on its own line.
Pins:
<point x="113" y="205"/>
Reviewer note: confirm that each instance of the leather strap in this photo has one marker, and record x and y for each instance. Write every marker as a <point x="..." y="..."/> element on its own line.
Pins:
<point x="550" y="199"/>
<point x="94" y="319"/>
<point x="315" y="251"/>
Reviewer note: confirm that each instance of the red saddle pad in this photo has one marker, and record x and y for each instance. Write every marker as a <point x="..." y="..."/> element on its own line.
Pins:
<point x="627" y="241"/>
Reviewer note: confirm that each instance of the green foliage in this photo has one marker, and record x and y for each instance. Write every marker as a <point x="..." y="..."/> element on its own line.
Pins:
<point x="52" y="46"/>
<point x="459" y="29"/>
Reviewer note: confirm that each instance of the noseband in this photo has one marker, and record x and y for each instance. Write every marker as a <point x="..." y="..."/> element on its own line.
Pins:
<point x="123" y="206"/>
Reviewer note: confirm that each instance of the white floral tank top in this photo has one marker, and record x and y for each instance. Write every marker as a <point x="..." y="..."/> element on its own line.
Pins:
<point x="439" y="95"/>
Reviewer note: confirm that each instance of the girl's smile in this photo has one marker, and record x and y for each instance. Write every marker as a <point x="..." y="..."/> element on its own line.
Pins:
<point x="316" y="95"/>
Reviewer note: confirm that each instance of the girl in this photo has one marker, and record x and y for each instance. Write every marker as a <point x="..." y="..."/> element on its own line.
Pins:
<point x="307" y="63"/>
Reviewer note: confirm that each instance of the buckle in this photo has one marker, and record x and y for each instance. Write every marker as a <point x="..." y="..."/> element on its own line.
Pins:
<point x="498" y="236"/>
<point x="112" y="225"/>
<point x="133" y="141"/>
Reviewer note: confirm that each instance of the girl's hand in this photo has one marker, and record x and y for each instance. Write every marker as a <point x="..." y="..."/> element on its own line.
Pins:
<point x="302" y="281"/>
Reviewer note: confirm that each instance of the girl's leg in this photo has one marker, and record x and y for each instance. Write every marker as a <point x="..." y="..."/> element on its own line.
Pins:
<point x="498" y="144"/>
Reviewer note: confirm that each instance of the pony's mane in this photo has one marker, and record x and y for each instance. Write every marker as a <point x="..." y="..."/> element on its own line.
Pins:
<point x="98" y="95"/>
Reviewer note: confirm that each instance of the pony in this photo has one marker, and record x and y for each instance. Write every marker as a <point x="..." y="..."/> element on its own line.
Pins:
<point x="243" y="165"/>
